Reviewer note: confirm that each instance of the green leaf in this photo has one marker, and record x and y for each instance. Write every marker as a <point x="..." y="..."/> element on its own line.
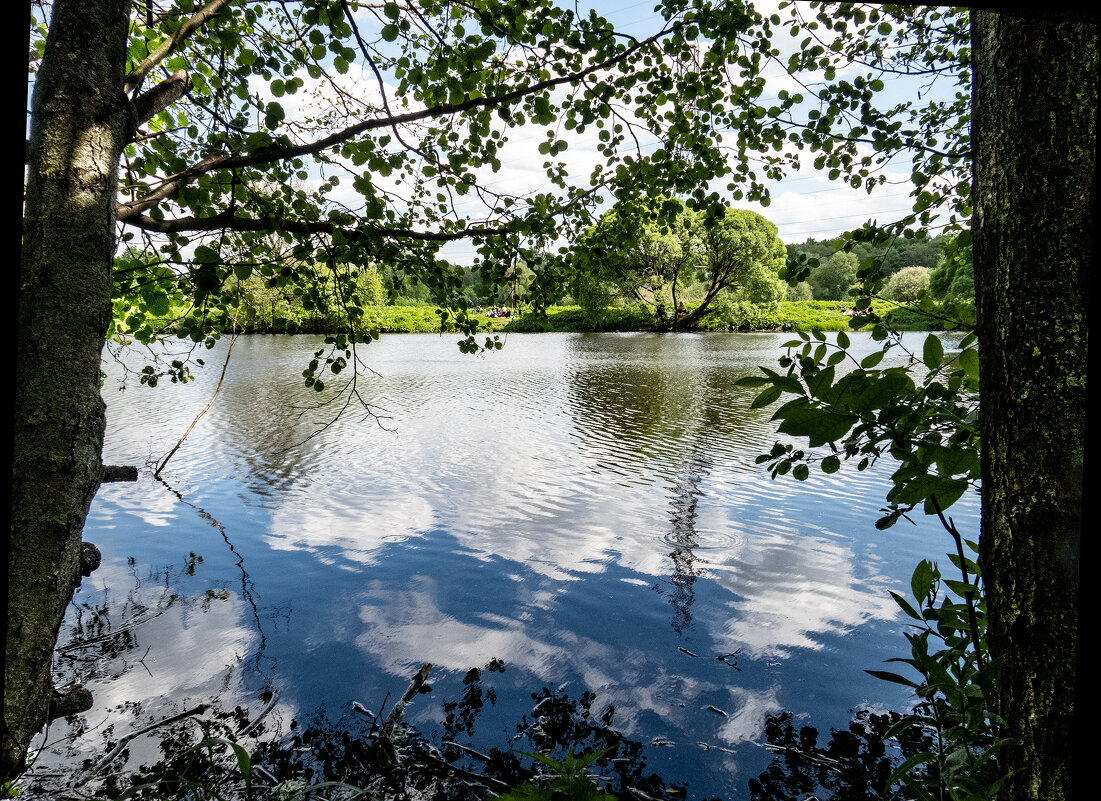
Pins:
<point x="922" y="580"/>
<point x="831" y="464"/>
<point x="766" y="397"/>
<point x="969" y="361"/>
<point x="960" y="588"/>
<point x="933" y="352"/>
<point x="244" y="764"/>
<point x="908" y="765"/>
<point x="800" y="418"/>
<point x="893" y="677"/>
<point x="905" y="605"/>
<point x="820" y="382"/>
<point x="871" y="360"/>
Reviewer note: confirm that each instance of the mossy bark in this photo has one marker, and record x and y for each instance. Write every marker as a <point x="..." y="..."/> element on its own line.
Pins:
<point x="80" y="121"/>
<point x="1035" y="145"/>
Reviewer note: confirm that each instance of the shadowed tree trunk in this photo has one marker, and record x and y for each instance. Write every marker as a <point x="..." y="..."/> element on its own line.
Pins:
<point x="80" y="122"/>
<point x="1034" y="140"/>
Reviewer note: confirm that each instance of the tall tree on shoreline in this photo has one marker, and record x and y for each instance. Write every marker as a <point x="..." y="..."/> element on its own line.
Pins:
<point x="1033" y="255"/>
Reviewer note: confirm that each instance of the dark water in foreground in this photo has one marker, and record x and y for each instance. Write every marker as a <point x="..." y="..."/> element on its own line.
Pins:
<point x="583" y="508"/>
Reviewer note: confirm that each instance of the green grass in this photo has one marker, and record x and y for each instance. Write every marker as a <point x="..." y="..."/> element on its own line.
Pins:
<point x="574" y="318"/>
<point x="804" y="315"/>
<point x="824" y="315"/>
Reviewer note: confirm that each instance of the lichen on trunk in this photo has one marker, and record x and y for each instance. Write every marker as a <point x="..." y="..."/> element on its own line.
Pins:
<point x="1032" y="261"/>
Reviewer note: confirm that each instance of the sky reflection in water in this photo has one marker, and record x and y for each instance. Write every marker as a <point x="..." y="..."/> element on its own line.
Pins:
<point x="583" y="507"/>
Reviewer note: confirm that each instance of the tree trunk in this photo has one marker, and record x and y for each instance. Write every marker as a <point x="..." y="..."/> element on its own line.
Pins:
<point x="80" y="122"/>
<point x="1034" y="140"/>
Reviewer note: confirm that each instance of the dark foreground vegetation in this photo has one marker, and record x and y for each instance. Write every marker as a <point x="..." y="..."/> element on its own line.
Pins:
<point x="567" y="748"/>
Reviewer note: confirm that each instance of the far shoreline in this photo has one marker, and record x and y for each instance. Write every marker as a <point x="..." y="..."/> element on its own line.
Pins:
<point x="790" y="316"/>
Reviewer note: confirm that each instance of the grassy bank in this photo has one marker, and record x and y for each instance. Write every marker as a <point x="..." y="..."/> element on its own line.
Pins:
<point x="791" y="316"/>
<point x="825" y="315"/>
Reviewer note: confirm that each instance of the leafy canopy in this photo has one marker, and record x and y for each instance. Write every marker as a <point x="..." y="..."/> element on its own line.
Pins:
<point x="278" y="137"/>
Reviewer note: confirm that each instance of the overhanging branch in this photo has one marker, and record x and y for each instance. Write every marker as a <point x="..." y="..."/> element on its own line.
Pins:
<point x="127" y="211"/>
<point x="149" y="104"/>
<point x="194" y="22"/>
<point x="227" y="221"/>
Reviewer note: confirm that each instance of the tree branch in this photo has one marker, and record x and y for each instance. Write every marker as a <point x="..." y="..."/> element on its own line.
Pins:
<point x="196" y="21"/>
<point x="169" y="187"/>
<point x="149" y="104"/>
<point x="226" y="220"/>
<point x="126" y="211"/>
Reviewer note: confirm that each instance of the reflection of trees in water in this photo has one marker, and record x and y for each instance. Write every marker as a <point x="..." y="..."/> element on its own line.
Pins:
<point x="355" y="750"/>
<point x="379" y="754"/>
<point x="684" y="497"/>
<point x="854" y="764"/>
<point x="100" y="630"/>
<point x="667" y="416"/>
<point x="111" y="633"/>
<point x="247" y="585"/>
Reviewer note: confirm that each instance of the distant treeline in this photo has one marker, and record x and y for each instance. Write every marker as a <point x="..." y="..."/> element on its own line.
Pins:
<point x="934" y="274"/>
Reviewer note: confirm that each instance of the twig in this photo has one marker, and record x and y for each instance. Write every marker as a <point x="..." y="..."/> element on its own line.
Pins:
<point x="206" y="408"/>
<point x="399" y="708"/>
<point x="114" y="752"/>
<point x="972" y="620"/>
<point x="814" y="759"/>
<point x="263" y="714"/>
<point x="76" y="646"/>
<point x="464" y="749"/>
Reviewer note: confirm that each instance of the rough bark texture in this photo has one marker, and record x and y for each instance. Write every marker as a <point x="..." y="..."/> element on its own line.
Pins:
<point x="1034" y="139"/>
<point x="80" y="122"/>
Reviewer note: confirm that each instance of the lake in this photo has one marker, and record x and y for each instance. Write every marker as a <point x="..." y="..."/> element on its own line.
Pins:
<point x="577" y="512"/>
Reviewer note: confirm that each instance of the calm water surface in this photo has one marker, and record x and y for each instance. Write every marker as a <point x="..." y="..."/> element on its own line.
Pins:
<point x="584" y="508"/>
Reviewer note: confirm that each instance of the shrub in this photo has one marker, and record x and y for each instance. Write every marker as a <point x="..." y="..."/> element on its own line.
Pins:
<point x="907" y="285"/>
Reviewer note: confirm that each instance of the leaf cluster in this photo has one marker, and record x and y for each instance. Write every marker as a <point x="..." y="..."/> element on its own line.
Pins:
<point x="862" y="411"/>
<point x="567" y="781"/>
<point x="955" y="680"/>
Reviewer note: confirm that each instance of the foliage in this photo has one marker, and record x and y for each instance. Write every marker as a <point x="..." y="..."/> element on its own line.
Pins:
<point x="276" y="158"/>
<point x="568" y="781"/>
<point x="593" y="298"/>
<point x="912" y="318"/>
<point x="576" y="318"/>
<point x="275" y="138"/>
<point x="953" y="282"/>
<point x="642" y="249"/>
<point x="901" y="252"/>
<point x="799" y="292"/>
<point x="831" y="280"/>
<point x="821" y="315"/>
<point x="650" y="251"/>
<point x="955" y="686"/>
<point x="741" y="253"/>
<point x="929" y="427"/>
<point x="731" y="313"/>
<point x="908" y="285"/>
